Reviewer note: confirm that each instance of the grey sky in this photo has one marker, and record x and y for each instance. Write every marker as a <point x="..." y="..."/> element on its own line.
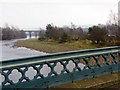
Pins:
<point x="38" y="13"/>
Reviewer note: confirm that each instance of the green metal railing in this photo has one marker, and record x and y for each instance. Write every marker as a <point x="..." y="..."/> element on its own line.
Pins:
<point x="60" y="68"/>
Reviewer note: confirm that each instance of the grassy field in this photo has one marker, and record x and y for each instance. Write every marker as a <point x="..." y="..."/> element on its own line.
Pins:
<point x="55" y="47"/>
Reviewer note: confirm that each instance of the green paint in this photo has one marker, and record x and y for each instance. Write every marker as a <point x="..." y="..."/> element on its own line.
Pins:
<point x="65" y="76"/>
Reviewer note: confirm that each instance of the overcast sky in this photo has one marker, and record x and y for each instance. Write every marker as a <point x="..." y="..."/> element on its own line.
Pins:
<point x="39" y="13"/>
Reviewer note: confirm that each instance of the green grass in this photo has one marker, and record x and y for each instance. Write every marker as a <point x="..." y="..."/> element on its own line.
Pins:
<point x="55" y="47"/>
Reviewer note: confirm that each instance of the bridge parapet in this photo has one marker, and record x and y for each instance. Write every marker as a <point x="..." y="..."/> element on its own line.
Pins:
<point x="56" y="69"/>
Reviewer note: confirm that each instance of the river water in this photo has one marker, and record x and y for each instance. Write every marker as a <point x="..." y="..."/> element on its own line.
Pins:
<point x="10" y="52"/>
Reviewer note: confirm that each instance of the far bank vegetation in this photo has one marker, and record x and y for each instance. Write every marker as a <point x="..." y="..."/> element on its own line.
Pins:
<point x="102" y="35"/>
<point x="11" y="32"/>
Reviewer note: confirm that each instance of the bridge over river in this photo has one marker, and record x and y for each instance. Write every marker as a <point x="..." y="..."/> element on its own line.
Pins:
<point x="30" y="33"/>
<point x="59" y="68"/>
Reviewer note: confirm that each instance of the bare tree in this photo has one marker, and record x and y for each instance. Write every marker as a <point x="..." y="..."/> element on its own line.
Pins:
<point x="113" y="18"/>
<point x="41" y="35"/>
<point x="113" y="28"/>
<point x="97" y="35"/>
<point x="11" y="32"/>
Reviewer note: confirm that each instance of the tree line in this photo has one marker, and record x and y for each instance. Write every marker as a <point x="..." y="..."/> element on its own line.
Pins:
<point x="100" y="34"/>
<point x="109" y="34"/>
<point x="8" y="33"/>
<point x="62" y="34"/>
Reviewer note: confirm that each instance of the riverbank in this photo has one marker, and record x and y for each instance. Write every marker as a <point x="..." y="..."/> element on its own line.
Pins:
<point x="55" y="47"/>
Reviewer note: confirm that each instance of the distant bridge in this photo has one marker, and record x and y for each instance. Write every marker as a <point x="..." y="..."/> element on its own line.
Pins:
<point x="31" y="33"/>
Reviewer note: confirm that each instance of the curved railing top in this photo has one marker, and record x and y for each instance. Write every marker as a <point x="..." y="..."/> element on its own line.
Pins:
<point x="63" y="55"/>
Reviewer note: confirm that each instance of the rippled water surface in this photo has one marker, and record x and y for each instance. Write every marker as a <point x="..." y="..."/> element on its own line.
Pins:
<point x="8" y="51"/>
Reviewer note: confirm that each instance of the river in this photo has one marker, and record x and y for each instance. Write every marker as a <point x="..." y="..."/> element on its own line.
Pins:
<point x="9" y="51"/>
